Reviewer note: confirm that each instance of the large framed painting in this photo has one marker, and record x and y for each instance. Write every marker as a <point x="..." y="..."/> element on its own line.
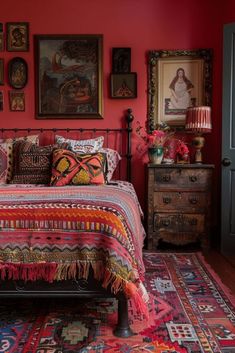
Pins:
<point x="69" y="76"/>
<point x="177" y="79"/>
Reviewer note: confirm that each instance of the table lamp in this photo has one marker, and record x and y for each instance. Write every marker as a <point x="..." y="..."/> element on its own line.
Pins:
<point x="198" y="120"/>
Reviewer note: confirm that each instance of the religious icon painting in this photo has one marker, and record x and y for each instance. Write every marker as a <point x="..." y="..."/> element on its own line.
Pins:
<point x="17" y="36"/>
<point x="17" y="101"/>
<point x="121" y="60"/>
<point x="17" y="73"/>
<point x="123" y="85"/>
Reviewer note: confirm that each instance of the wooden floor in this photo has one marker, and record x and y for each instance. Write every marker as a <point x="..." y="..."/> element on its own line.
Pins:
<point x="224" y="267"/>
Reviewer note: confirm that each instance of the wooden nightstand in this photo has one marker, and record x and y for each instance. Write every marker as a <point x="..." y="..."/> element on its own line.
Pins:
<point x="179" y="203"/>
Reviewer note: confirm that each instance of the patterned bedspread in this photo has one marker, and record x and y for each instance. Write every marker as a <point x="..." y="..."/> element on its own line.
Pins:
<point x="59" y="233"/>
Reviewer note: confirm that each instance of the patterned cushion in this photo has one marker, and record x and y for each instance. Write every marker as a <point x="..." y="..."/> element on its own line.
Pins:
<point x="32" y="163"/>
<point x="5" y="161"/>
<point x="29" y="138"/>
<point x="113" y="158"/>
<point x="11" y="141"/>
<point x="72" y="168"/>
<point x="82" y="146"/>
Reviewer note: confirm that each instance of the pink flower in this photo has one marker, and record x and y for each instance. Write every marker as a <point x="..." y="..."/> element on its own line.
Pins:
<point x="156" y="138"/>
<point x="182" y="149"/>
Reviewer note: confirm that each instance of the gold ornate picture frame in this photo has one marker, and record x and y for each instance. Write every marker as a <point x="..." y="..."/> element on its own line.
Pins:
<point x="177" y="79"/>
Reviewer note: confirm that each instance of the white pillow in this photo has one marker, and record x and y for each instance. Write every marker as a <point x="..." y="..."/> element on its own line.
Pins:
<point x="82" y="146"/>
<point x="113" y="158"/>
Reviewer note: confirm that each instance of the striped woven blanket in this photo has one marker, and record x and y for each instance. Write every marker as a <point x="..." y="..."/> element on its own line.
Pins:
<point x="60" y="233"/>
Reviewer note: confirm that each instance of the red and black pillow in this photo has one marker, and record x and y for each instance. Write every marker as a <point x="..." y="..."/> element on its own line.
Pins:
<point x="71" y="168"/>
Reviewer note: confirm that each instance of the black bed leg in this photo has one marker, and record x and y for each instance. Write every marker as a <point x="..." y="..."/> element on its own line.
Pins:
<point x="123" y="328"/>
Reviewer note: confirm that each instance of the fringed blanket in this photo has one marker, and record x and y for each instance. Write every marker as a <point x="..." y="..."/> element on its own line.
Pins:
<point x="60" y="233"/>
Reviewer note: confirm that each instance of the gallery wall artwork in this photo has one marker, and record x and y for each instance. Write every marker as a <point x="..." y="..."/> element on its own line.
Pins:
<point x="123" y="82"/>
<point x="68" y="76"/>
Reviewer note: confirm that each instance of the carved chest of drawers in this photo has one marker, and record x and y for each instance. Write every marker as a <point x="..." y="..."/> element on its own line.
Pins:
<point x="179" y="204"/>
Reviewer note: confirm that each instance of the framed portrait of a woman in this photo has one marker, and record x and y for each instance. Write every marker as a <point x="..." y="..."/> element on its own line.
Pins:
<point x="177" y="79"/>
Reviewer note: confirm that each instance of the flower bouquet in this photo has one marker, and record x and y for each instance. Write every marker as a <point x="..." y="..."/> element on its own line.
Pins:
<point x="182" y="152"/>
<point x="155" y="141"/>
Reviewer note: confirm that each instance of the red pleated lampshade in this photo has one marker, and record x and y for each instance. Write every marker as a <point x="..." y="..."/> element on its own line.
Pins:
<point x="198" y="119"/>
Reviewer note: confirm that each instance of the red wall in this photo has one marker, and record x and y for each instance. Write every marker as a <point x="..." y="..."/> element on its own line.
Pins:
<point x="140" y="24"/>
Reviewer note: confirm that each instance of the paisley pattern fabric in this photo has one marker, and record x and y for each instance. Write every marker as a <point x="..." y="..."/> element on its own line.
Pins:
<point x="32" y="163"/>
<point x="76" y="169"/>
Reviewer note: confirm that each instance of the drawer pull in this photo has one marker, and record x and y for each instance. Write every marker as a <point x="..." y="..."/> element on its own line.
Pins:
<point x="193" y="178"/>
<point x="193" y="200"/>
<point x="165" y="222"/>
<point x="166" y="200"/>
<point x="166" y="178"/>
<point x="193" y="222"/>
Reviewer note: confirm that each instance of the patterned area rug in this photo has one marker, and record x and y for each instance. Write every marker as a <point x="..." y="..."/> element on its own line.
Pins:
<point x="190" y="312"/>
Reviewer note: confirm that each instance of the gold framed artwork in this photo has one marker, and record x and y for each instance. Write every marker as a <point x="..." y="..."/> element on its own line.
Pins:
<point x="17" y="36"/>
<point x="69" y="78"/>
<point x="17" y="101"/>
<point x="177" y="79"/>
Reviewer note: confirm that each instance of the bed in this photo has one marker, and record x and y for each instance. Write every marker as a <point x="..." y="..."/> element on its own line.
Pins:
<point x="75" y="241"/>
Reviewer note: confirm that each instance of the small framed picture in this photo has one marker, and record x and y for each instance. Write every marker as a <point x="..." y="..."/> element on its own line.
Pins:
<point x="17" y="73"/>
<point x="121" y="60"/>
<point x="17" y="101"/>
<point x="1" y="38"/>
<point x="1" y="72"/>
<point x="124" y="85"/>
<point x="1" y="101"/>
<point x="17" y="36"/>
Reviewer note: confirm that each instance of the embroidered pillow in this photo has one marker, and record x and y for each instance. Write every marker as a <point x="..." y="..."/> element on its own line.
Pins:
<point x="72" y="168"/>
<point x="5" y="161"/>
<point x="11" y="141"/>
<point x="82" y="146"/>
<point x="32" y="163"/>
<point x="113" y="158"/>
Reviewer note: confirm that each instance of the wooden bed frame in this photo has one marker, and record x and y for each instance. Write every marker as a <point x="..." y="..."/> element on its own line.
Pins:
<point x="81" y="288"/>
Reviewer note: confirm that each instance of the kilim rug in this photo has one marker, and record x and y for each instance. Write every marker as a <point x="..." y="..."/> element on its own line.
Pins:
<point x="190" y="312"/>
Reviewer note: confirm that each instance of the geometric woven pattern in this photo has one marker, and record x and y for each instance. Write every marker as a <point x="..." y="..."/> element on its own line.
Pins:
<point x="55" y="234"/>
<point x="181" y="321"/>
<point x="72" y="168"/>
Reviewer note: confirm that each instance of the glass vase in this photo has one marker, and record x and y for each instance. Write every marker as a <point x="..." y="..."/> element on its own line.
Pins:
<point x="155" y="154"/>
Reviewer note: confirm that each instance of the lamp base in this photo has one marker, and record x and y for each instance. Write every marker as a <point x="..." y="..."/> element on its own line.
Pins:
<point x="198" y="143"/>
